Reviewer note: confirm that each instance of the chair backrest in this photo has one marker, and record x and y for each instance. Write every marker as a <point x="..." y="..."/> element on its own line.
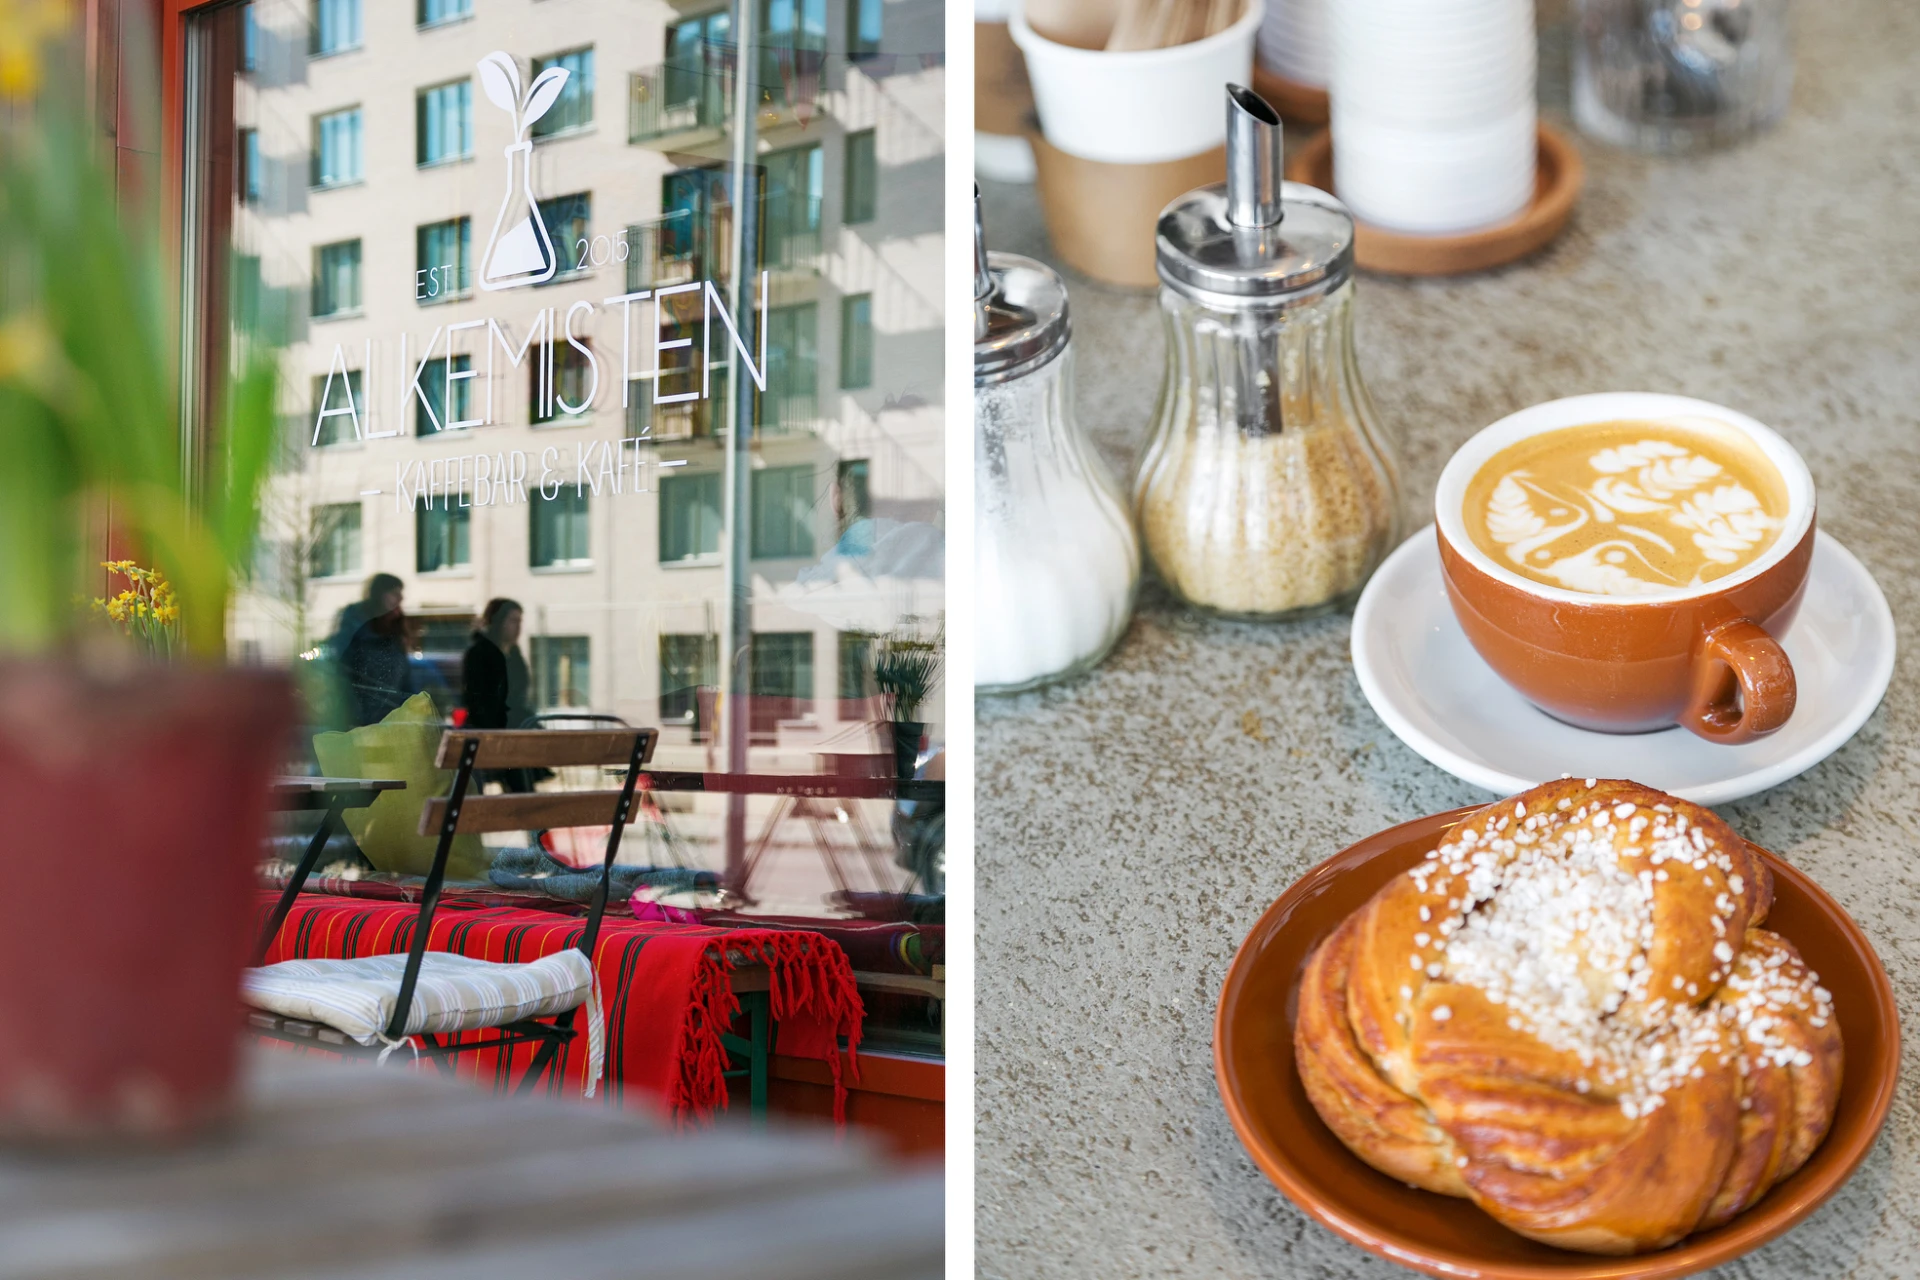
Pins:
<point x="467" y="750"/>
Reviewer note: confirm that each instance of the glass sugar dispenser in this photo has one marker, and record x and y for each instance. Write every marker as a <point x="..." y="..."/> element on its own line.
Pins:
<point x="1056" y="560"/>
<point x="1267" y="489"/>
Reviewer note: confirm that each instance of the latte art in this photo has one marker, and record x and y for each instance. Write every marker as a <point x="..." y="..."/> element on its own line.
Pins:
<point x="1627" y="508"/>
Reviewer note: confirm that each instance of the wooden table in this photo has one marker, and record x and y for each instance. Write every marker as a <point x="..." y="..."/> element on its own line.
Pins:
<point x="355" y="1173"/>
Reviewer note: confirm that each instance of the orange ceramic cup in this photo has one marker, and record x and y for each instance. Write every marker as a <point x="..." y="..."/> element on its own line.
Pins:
<point x="1707" y="658"/>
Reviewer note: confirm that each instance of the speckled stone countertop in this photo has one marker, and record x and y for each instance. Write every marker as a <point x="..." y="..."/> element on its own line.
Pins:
<point x="1130" y="831"/>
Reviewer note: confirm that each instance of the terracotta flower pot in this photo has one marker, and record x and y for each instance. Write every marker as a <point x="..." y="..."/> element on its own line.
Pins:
<point x="132" y="805"/>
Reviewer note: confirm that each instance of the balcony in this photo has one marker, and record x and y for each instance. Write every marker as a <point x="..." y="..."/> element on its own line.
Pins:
<point x="679" y="248"/>
<point x="790" y="233"/>
<point x="688" y="102"/>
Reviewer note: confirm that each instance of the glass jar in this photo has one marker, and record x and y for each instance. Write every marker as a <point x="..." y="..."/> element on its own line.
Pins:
<point x="1056" y="561"/>
<point x="1267" y="489"/>
<point x="1680" y="75"/>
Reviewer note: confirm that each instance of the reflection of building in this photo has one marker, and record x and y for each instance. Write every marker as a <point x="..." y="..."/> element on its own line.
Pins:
<point x="424" y="409"/>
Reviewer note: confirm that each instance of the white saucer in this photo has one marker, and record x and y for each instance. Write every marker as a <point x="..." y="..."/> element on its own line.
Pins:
<point x="1440" y="698"/>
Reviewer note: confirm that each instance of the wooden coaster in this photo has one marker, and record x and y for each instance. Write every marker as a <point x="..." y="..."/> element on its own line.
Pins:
<point x="1559" y="174"/>
<point x="1297" y="103"/>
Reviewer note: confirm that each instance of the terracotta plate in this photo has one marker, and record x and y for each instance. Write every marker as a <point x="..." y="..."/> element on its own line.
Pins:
<point x="1442" y="1236"/>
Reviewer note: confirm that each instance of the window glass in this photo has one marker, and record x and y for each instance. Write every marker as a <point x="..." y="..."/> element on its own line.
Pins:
<point x="336" y="26"/>
<point x="433" y="12"/>
<point x="562" y="672"/>
<point x="862" y="189"/>
<point x="443" y="124"/>
<point x="518" y="364"/>
<point x="336" y="278"/>
<point x="573" y="109"/>
<point x="863" y="17"/>
<point x="335" y="542"/>
<point x="443" y="267"/>
<point x="856" y="341"/>
<point x="442" y="536"/>
<point x="336" y="148"/>
<point x="559" y="528"/>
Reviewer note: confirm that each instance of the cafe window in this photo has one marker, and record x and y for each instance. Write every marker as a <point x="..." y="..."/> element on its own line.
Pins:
<point x="854" y="494"/>
<point x="443" y="535"/>
<point x="443" y="260"/>
<point x="856" y="664"/>
<point x="861" y="190"/>
<point x="558" y="527"/>
<point x="338" y="399"/>
<point x="690" y="516"/>
<point x="782" y="664"/>
<point x="252" y="178"/>
<point x="566" y="400"/>
<point x="567" y="219"/>
<point x="783" y="513"/>
<point x="688" y="663"/>
<point x="336" y="26"/>
<point x="433" y="409"/>
<point x="863" y="23"/>
<point x="562" y="672"/>
<point x="443" y="123"/>
<point x="336" y="148"/>
<point x="573" y="109"/>
<point x="335" y="540"/>
<point x="431" y="13"/>
<point x="856" y="341"/>
<point x="336" y="279"/>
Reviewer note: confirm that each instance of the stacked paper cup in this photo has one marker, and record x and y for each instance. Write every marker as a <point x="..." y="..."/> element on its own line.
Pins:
<point x="1293" y="40"/>
<point x="1433" y="121"/>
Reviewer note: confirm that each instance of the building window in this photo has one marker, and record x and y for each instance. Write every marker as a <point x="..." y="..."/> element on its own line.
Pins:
<point x="253" y="180"/>
<point x="573" y="109"/>
<point x="336" y="393"/>
<point x="567" y="219"/>
<point x="863" y="28"/>
<point x="336" y="541"/>
<point x="853" y="496"/>
<point x="431" y="13"/>
<point x="856" y="341"/>
<point x="688" y="663"/>
<point x="442" y="535"/>
<point x="336" y="278"/>
<point x="689" y="516"/>
<point x="336" y="26"/>
<point x="856" y="664"/>
<point x="562" y="672"/>
<point x="432" y="409"/>
<point x="249" y="41"/>
<point x="782" y="665"/>
<point x="783" y="513"/>
<point x="571" y="382"/>
<point x="443" y="123"/>
<point x="559" y="528"/>
<point x="795" y="181"/>
<point x="443" y="260"/>
<point x="336" y="148"/>
<point x="793" y="368"/>
<point x="861" y="188"/>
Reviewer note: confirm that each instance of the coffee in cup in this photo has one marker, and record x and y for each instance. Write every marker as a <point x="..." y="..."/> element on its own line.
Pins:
<point x="1627" y="561"/>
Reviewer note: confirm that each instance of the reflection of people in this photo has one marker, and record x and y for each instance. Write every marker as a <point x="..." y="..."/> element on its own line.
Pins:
<point x="494" y="679"/>
<point x="370" y="644"/>
<point x="493" y="674"/>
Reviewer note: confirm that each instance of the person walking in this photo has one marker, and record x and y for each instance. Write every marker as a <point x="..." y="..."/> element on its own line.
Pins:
<point x="370" y="646"/>
<point x="494" y="680"/>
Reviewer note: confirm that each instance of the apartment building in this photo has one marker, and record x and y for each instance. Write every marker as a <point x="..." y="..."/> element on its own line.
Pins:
<point x="496" y="237"/>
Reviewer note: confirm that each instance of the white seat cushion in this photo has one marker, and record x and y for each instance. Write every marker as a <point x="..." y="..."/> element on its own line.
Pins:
<point x="454" y="993"/>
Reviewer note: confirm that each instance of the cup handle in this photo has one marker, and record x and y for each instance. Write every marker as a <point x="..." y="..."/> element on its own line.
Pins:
<point x="1739" y="657"/>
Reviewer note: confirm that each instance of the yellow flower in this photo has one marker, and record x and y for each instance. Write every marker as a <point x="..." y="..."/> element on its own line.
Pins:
<point x="26" y="27"/>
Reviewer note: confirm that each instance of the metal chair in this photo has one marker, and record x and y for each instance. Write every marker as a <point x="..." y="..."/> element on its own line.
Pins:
<point x="465" y="751"/>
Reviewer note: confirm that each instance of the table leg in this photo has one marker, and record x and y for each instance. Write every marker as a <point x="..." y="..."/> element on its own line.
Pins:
<point x="297" y="881"/>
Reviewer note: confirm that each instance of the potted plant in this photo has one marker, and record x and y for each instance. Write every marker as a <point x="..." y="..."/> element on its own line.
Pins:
<point x="906" y="667"/>
<point x="134" y="764"/>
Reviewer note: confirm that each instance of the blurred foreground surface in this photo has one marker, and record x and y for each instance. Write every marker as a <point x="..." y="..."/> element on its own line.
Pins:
<point x="355" y="1172"/>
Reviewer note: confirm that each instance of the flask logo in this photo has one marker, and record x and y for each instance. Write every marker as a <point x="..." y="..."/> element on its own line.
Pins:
<point x="519" y="251"/>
